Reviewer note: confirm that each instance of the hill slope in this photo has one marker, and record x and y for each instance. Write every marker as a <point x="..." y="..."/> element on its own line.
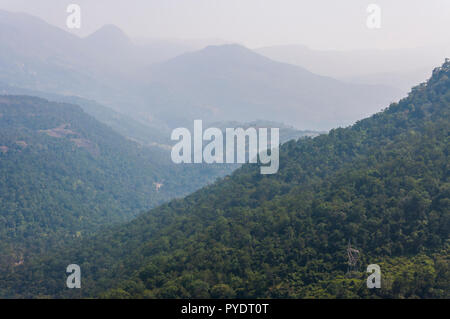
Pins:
<point x="123" y="124"/>
<point x="63" y="174"/>
<point x="382" y="183"/>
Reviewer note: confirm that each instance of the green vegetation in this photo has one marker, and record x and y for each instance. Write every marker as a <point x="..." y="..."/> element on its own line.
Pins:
<point x="64" y="175"/>
<point x="143" y="133"/>
<point x="382" y="183"/>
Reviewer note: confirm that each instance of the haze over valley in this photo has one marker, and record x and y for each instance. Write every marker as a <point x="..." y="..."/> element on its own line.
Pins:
<point x="224" y="149"/>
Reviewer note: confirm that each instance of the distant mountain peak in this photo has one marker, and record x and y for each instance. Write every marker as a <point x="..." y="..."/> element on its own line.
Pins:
<point x="109" y="33"/>
<point x="234" y="54"/>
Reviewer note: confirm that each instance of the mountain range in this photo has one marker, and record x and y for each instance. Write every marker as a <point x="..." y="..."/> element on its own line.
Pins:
<point x="381" y="184"/>
<point x="86" y="175"/>
<point x="223" y="82"/>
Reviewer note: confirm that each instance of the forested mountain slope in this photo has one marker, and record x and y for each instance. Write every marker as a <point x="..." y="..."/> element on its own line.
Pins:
<point x="62" y="174"/>
<point x="382" y="184"/>
<point x="125" y="125"/>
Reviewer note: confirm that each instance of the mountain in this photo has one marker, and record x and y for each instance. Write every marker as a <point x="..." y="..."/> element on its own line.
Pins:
<point x="64" y="174"/>
<point x="38" y="56"/>
<point x="55" y="157"/>
<point x="108" y="35"/>
<point x="231" y="82"/>
<point x="224" y="82"/>
<point x="35" y="55"/>
<point x="381" y="184"/>
<point x="401" y="68"/>
<point x="140" y="131"/>
<point x="102" y="66"/>
<point x="28" y="54"/>
<point x="160" y="50"/>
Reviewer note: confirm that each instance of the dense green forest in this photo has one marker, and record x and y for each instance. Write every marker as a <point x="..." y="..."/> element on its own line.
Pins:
<point x="63" y="174"/>
<point x="382" y="184"/>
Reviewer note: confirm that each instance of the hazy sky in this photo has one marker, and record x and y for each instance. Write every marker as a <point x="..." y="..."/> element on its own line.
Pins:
<point x="321" y="24"/>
